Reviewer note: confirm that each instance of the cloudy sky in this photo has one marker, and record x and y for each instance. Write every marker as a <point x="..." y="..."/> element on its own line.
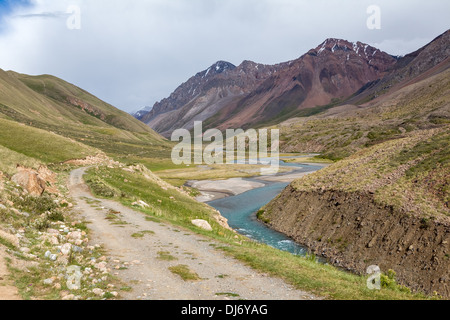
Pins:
<point x="132" y="53"/>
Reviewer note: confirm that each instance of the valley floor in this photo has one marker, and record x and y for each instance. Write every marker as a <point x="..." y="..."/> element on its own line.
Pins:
<point x="142" y="251"/>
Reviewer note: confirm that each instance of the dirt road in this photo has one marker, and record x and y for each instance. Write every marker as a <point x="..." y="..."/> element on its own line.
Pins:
<point x="221" y="277"/>
<point x="7" y="290"/>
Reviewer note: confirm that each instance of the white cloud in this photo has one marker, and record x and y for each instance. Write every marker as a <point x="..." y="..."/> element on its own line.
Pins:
<point x="134" y="52"/>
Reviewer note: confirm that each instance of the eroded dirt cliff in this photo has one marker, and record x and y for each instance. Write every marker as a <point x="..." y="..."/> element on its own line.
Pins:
<point x="353" y="231"/>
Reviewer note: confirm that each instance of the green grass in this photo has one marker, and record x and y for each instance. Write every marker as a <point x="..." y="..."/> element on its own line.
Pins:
<point x="397" y="171"/>
<point x="10" y="159"/>
<point x="166" y="256"/>
<point x="322" y="280"/>
<point x="39" y="144"/>
<point x="413" y="108"/>
<point x="141" y="234"/>
<point x="179" y="210"/>
<point x="228" y="294"/>
<point x="7" y="244"/>
<point x="87" y="123"/>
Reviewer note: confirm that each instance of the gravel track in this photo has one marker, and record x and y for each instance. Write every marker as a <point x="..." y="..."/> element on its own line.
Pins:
<point x="150" y="277"/>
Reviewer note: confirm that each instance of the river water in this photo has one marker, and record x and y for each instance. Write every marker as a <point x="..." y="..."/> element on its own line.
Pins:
<point x="240" y="210"/>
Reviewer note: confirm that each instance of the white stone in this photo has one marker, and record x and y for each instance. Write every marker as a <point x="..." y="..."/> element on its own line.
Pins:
<point x="98" y="292"/>
<point x="75" y="235"/>
<point x="66" y="248"/>
<point x="202" y="224"/>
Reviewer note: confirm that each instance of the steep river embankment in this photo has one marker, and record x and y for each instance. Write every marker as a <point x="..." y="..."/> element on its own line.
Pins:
<point x="352" y="231"/>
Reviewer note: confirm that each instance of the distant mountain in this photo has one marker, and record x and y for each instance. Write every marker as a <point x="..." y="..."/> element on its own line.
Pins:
<point x="252" y="94"/>
<point x="429" y="60"/>
<point x="141" y="112"/>
<point x="206" y="93"/>
<point x="332" y="71"/>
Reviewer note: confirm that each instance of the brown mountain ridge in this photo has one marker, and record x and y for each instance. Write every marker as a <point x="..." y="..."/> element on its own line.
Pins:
<point x="252" y="94"/>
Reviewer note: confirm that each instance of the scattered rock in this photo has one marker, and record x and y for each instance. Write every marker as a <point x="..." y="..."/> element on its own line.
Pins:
<point x="77" y="249"/>
<point x="53" y="240"/>
<point x="98" y="292"/>
<point x="69" y="297"/>
<point x="52" y="231"/>
<point x="49" y="177"/>
<point x="75" y="235"/>
<point x="223" y="222"/>
<point x="66" y="248"/>
<point x="87" y="271"/>
<point x="51" y="256"/>
<point x="101" y="266"/>
<point x="14" y="239"/>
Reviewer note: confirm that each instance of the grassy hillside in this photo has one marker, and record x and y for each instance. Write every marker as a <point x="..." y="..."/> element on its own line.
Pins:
<point x="51" y="104"/>
<point x="399" y="147"/>
<point x="410" y="173"/>
<point x="47" y="121"/>
<point x="41" y="145"/>
<point x="343" y="130"/>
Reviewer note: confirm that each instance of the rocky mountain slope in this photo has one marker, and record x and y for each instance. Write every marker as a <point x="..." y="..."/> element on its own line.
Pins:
<point x="413" y="96"/>
<point x="251" y="94"/>
<point x="425" y="62"/>
<point x="206" y="94"/>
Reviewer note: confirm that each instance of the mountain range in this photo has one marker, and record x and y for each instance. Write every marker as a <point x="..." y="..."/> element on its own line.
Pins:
<point x="254" y="95"/>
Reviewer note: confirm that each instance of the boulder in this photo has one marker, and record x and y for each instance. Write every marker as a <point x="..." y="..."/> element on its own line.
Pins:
<point x="74" y="235"/>
<point x="202" y="224"/>
<point x="98" y="292"/>
<point x="30" y="181"/>
<point x="46" y="174"/>
<point x="49" y="177"/>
